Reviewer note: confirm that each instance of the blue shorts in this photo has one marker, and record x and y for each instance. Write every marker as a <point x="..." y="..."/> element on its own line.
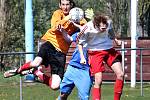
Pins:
<point x="79" y="78"/>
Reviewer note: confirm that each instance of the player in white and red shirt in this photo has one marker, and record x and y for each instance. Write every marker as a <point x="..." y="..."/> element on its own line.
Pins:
<point x="99" y="37"/>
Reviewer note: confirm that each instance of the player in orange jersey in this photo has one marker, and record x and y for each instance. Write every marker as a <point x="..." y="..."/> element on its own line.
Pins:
<point x="54" y="48"/>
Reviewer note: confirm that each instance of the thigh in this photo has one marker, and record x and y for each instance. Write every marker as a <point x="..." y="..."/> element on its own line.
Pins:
<point x="67" y="83"/>
<point x="36" y="62"/>
<point x="117" y="68"/>
<point x="46" y="53"/>
<point x="83" y="82"/>
<point x="113" y="56"/>
<point x="96" y="59"/>
<point x="57" y="64"/>
<point x="54" y="58"/>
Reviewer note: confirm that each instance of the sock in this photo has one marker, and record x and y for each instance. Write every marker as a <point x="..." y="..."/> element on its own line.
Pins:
<point x="118" y="89"/>
<point x="47" y="80"/>
<point x="44" y="78"/>
<point x="39" y="74"/>
<point x="96" y="93"/>
<point x="26" y="66"/>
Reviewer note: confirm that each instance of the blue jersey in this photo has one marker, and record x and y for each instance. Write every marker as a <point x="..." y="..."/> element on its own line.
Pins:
<point x="75" y="60"/>
<point x="72" y="79"/>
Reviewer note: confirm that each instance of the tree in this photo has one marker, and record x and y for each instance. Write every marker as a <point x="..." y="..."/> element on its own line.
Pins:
<point x="12" y="19"/>
<point x="3" y="25"/>
<point x="144" y="15"/>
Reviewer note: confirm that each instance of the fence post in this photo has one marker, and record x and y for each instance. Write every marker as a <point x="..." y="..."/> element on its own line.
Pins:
<point x="133" y="41"/>
<point x="123" y="56"/>
<point x="141" y="71"/>
<point x="21" y="97"/>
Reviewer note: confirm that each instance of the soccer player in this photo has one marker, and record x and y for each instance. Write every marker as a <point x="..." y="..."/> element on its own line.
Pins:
<point x="54" y="48"/>
<point x="99" y="39"/>
<point x="78" y="75"/>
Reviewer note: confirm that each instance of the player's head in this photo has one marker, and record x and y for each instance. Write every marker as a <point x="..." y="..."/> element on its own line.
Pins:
<point x="100" y="22"/>
<point x="66" y="5"/>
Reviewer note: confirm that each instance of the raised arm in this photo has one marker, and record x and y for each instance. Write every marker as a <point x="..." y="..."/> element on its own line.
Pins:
<point x="58" y="18"/>
<point x="112" y="33"/>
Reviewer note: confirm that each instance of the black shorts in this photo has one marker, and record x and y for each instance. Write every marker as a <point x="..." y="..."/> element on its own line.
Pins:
<point x="52" y="57"/>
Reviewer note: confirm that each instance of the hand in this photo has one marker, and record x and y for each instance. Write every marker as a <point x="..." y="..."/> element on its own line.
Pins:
<point x="118" y="42"/>
<point x="64" y="33"/>
<point x="77" y="25"/>
<point x="83" y="61"/>
<point x="89" y="13"/>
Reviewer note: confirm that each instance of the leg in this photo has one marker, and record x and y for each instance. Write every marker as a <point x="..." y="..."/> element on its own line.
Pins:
<point x="67" y="84"/>
<point x="36" y="62"/>
<point x="96" y="69"/>
<point x="63" y="96"/>
<point x="53" y="81"/>
<point x="96" y="91"/>
<point x="43" y="54"/>
<point x="83" y="77"/>
<point x="117" y="68"/>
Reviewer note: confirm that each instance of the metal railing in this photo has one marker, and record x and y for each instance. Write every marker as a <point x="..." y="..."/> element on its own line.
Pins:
<point x="141" y="63"/>
<point x="123" y="49"/>
<point x="20" y="54"/>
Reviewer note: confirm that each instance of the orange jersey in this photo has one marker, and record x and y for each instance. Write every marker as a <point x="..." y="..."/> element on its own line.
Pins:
<point x="54" y="36"/>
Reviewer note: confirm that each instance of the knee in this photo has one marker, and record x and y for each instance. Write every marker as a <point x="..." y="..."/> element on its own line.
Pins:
<point x="55" y="84"/>
<point x="54" y="87"/>
<point x="98" y="80"/>
<point x="120" y="75"/>
<point x="33" y="64"/>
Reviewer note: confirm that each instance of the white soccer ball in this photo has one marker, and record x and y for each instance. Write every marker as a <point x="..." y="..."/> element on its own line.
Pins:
<point x="76" y="14"/>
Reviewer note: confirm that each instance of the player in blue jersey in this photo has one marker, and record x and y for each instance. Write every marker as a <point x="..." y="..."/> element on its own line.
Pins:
<point x="78" y="75"/>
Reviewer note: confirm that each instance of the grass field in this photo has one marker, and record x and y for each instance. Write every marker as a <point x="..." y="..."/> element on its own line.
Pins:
<point x="10" y="90"/>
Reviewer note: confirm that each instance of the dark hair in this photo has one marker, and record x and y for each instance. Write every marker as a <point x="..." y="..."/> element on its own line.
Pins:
<point x="71" y="2"/>
<point x="99" y="18"/>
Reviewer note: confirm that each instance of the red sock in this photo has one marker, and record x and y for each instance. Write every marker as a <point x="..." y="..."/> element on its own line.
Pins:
<point x="39" y="74"/>
<point x="96" y="93"/>
<point x="44" y="78"/>
<point x="118" y="89"/>
<point x="47" y="80"/>
<point x="26" y="66"/>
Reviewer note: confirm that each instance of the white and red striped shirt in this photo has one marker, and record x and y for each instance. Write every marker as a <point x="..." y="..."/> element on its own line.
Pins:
<point x="95" y="39"/>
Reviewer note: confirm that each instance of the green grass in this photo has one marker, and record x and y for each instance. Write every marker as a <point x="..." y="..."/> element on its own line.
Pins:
<point x="10" y="90"/>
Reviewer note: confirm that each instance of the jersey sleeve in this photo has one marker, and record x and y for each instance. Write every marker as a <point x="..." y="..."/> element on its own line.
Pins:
<point x="111" y="33"/>
<point x="83" y="37"/>
<point x="58" y="18"/>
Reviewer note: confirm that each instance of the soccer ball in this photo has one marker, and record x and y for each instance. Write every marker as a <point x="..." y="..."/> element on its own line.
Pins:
<point x="76" y="14"/>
